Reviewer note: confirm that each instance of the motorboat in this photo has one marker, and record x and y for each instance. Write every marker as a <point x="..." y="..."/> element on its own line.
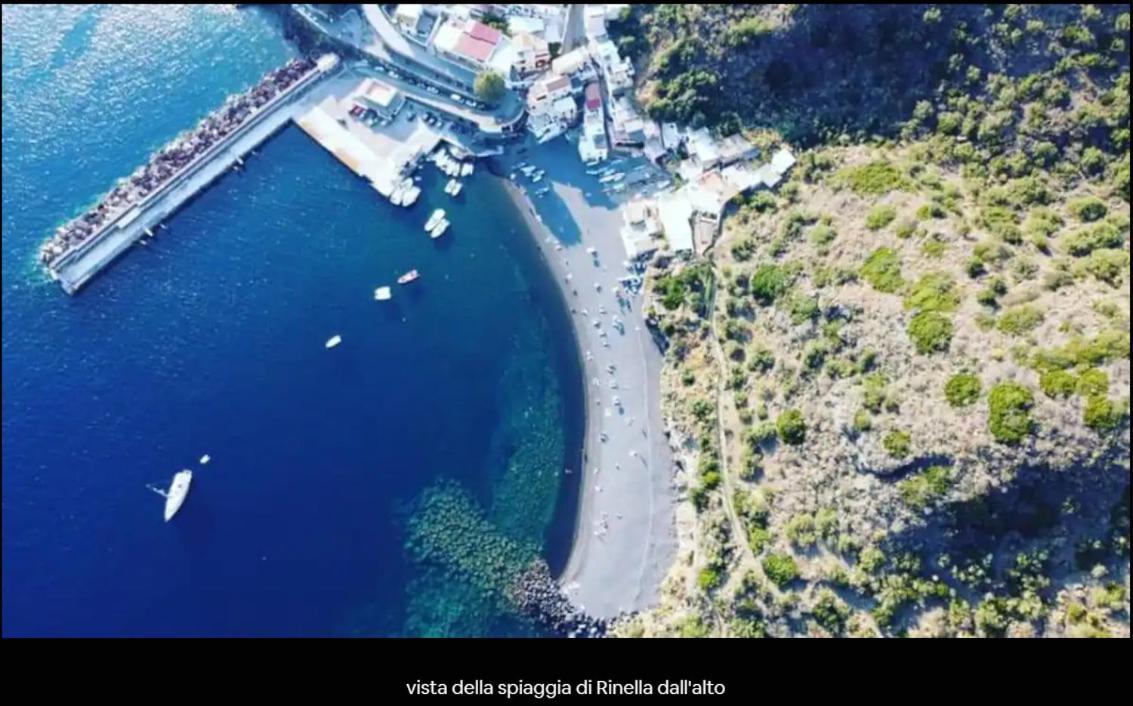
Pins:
<point x="408" y="276"/>
<point x="439" y="229"/>
<point x="382" y="294"/>
<point x="434" y="219"/>
<point x="333" y="341"/>
<point x="466" y="169"/>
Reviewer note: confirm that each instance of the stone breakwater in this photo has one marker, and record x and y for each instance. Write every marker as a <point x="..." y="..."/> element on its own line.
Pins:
<point x="535" y="594"/>
<point x="172" y="160"/>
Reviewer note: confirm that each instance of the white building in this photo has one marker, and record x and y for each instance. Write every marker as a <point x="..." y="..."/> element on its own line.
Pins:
<point x="629" y="128"/>
<point x="571" y="62"/>
<point x="592" y="144"/>
<point x="546" y="90"/>
<point x="474" y="45"/>
<point x="675" y="213"/>
<point x="616" y="72"/>
<point x="640" y="227"/>
<point x="382" y="98"/>
<point x="532" y="54"/>
<point x="594" y="21"/>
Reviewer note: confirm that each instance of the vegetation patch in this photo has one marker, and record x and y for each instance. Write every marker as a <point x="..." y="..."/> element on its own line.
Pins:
<point x="780" y="568"/>
<point x="791" y="427"/>
<point x="1101" y="414"/>
<point x="769" y="283"/>
<point x="931" y="332"/>
<point x="1057" y="383"/>
<point x="1020" y="320"/>
<point x="935" y="291"/>
<point x="882" y="269"/>
<point x="880" y="216"/>
<point x="897" y="443"/>
<point x="921" y="491"/>
<point x="1009" y="416"/>
<point x="873" y="179"/>
<point x="962" y="389"/>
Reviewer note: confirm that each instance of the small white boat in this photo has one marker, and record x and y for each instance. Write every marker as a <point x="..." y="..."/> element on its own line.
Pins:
<point x="408" y="276"/>
<point x="205" y="459"/>
<point x="333" y="341"/>
<point x="382" y="294"/>
<point x="456" y="188"/>
<point x="537" y="178"/>
<point x="466" y="169"/>
<point x="410" y="196"/>
<point x="434" y="219"/>
<point x="439" y="229"/>
<point x="175" y="496"/>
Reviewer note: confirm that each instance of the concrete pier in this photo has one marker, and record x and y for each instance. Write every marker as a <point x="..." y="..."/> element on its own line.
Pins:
<point x="77" y="266"/>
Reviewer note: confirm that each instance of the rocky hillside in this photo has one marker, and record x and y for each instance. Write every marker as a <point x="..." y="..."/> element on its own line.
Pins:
<point x="903" y="379"/>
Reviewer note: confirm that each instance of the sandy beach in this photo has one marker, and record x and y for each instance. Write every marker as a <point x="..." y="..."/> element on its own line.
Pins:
<point x="624" y="538"/>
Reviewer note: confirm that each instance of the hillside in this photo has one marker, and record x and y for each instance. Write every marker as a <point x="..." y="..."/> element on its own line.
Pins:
<point x="902" y="379"/>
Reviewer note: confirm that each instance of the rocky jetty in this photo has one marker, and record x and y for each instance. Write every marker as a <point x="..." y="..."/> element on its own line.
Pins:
<point x="172" y="159"/>
<point x="537" y="596"/>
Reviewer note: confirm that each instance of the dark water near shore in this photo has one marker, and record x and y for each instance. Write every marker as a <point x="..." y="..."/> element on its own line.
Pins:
<point x="210" y="340"/>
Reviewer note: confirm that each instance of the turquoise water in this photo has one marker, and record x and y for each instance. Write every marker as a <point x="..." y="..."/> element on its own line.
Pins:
<point x="210" y="340"/>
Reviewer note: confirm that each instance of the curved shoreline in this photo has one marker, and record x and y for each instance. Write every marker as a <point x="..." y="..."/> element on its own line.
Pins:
<point x="618" y="570"/>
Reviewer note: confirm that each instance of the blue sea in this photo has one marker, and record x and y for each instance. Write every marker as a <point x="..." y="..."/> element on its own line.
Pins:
<point x="210" y="340"/>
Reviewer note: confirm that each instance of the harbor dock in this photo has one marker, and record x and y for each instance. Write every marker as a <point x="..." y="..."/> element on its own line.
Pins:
<point x="83" y="247"/>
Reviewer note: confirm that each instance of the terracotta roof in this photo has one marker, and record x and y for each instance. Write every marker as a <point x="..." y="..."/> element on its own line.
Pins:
<point x="474" y="48"/>
<point x="593" y="97"/>
<point x="482" y="32"/>
<point x="558" y="84"/>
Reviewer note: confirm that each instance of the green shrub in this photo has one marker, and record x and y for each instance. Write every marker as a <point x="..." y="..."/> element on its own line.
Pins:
<point x="871" y="559"/>
<point x="708" y="578"/>
<point x="758" y="538"/>
<point x="1092" y="382"/>
<point x="930" y="332"/>
<point x="821" y="236"/>
<point x="791" y="427"/>
<point x="1057" y="383"/>
<point x="743" y="249"/>
<point x="897" y="443"/>
<point x="873" y="395"/>
<point x="831" y="613"/>
<point x="1087" y="209"/>
<point x="1107" y="265"/>
<point x="921" y="491"/>
<point x="962" y="389"/>
<point x="1101" y="414"/>
<point x="874" y="178"/>
<point x="1094" y="237"/>
<point x="803" y="308"/>
<point x="1020" y="320"/>
<point x="769" y="282"/>
<point x="826" y="523"/>
<point x="882" y="269"/>
<point x="1009" y="417"/>
<point x="935" y="291"/>
<point x="905" y="229"/>
<point x="862" y="421"/>
<point x="780" y="568"/>
<point x="801" y="531"/>
<point x="880" y="216"/>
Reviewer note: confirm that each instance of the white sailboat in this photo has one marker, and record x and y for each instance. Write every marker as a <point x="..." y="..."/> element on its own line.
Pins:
<point x="175" y="496"/>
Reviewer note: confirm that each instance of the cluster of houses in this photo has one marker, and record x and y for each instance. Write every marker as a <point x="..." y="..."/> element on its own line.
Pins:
<point x="591" y="85"/>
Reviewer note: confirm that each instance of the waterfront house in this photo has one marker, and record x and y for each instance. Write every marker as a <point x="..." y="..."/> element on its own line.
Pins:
<point x="640" y="228"/>
<point x="546" y="91"/>
<point x="616" y="72"/>
<point x="592" y="144"/>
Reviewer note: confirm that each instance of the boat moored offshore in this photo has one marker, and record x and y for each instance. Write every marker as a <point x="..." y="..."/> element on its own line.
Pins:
<point x="408" y="277"/>
<point x="434" y="219"/>
<point x="175" y="496"/>
<point x="439" y="229"/>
